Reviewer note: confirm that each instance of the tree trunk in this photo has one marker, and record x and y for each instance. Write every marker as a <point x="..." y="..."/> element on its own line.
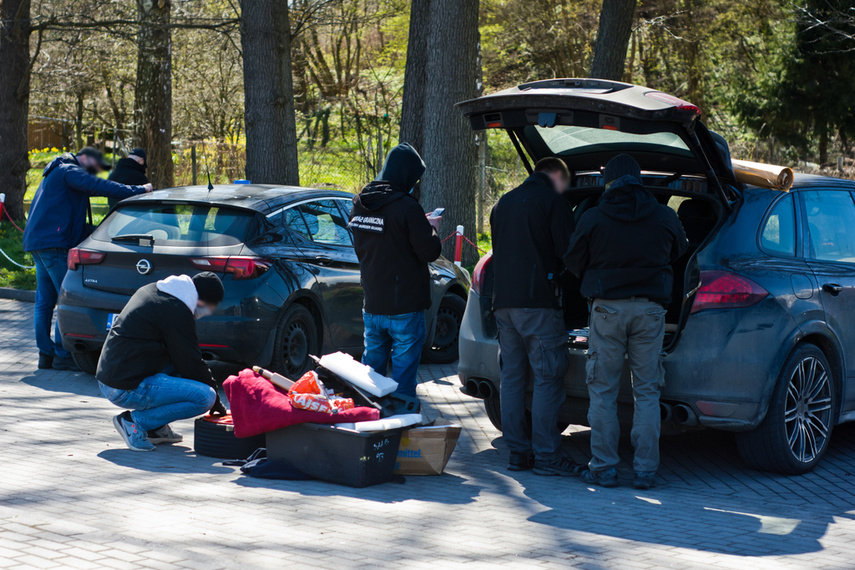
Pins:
<point x="14" y="100"/>
<point x="450" y="152"/>
<point x="415" y="76"/>
<point x="612" y="39"/>
<point x="271" y="128"/>
<point x="153" y="93"/>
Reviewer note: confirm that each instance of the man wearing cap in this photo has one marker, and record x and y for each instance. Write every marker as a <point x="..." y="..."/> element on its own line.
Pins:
<point x="623" y="250"/>
<point x="57" y="223"/>
<point x="151" y="362"/>
<point x="130" y="170"/>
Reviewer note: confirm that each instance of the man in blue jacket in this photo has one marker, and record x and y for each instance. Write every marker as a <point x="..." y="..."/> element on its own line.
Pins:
<point x="57" y="223"/>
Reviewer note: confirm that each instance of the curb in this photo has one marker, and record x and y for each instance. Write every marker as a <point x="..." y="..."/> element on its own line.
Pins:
<point x="18" y="294"/>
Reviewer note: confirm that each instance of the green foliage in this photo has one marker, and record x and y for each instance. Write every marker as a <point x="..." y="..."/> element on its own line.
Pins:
<point x="10" y="275"/>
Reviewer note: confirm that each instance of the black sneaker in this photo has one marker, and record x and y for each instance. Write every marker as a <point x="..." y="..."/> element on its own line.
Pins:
<point x="45" y="361"/>
<point x="520" y="461"/>
<point x="604" y="478"/>
<point x="644" y="480"/>
<point x="561" y="467"/>
<point x="65" y="364"/>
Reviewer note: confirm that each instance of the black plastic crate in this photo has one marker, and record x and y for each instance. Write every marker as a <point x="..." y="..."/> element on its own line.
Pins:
<point x="335" y="455"/>
<point x="218" y="440"/>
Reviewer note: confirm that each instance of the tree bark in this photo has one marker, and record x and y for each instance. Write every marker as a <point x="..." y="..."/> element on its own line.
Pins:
<point x="612" y="39"/>
<point x="153" y="92"/>
<point x="415" y="76"/>
<point x="450" y="152"/>
<point x="271" y="129"/>
<point x="14" y="101"/>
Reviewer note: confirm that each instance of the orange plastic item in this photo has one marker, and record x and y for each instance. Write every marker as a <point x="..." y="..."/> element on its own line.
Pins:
<point x="309" y="393"/>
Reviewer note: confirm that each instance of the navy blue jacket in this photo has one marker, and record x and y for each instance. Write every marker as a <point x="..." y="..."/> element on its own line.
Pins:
<point x="58" y="213"/>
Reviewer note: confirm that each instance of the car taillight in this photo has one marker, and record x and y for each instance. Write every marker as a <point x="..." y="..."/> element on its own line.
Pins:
<point x="77" y="256"/>
<point x="479" y="274"/>
<point x="724" y="290"/>
<point x="240" y="267"/>
<point x="675" y="101"/>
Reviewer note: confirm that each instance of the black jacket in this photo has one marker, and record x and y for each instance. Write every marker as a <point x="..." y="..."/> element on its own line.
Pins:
<point x="626" y="245"/>
<point x="531" y="227"/>
<point x="154" y="330"/>
<point x="393" y="240"/>
<point x="127" y="171"/>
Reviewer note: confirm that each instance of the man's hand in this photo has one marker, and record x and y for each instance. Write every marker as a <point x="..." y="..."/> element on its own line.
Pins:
<point x="218" y="409"/>
<point x="148" y="187"/>
<point x="434" y="222"/>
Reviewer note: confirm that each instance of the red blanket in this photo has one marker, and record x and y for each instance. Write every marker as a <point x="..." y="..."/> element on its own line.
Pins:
<point x="257" y="406"/>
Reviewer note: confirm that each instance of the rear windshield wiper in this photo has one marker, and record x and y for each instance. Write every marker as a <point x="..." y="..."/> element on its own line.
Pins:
<point x="142" y="239"/>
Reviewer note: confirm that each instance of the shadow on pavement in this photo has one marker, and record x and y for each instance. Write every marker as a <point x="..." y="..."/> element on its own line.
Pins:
<point x="167" y="459"/>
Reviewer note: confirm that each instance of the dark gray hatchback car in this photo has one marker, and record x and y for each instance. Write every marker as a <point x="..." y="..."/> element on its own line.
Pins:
<point x="759" y="336"/>
<point x="285" y="256"/>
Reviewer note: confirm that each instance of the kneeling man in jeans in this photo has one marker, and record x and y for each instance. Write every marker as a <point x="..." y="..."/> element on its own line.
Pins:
<point x="623" y="250"/>
<point x="152" y="363"/>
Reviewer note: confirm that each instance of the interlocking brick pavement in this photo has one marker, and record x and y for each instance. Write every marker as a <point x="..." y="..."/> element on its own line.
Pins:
<point x="72" y="496"/>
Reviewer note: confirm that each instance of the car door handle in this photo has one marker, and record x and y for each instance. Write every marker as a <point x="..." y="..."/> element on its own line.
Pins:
<point x="832" y="288"/>
<point x="323" y="260"/>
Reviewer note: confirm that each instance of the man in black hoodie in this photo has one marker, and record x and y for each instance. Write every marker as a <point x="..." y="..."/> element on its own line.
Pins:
<point x="394" y="242"/>
<point x="623" y="251"/>
<point x="531" y="227"/>
<point x="130" y="171"/>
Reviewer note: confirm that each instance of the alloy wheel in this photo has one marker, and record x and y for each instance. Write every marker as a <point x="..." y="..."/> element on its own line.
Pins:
<point x="807" y="409"/>
<point x="296" y="346"/>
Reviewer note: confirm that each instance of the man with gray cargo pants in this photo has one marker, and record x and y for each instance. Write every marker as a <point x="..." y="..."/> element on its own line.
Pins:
<point x="531" y="227"/>
<point x="623" y="251"/>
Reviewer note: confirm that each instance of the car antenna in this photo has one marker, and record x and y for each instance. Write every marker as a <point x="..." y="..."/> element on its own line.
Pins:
<point x="208" y="172"/>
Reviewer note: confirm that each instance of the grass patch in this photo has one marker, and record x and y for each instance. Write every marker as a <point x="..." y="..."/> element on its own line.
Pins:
<point x="10" y="275"/>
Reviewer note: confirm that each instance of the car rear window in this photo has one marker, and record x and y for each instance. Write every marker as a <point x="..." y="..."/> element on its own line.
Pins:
<point x="178" y="224"/>
<point x="565" y="140"/>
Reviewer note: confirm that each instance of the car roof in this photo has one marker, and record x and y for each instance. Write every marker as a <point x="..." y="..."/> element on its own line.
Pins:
<point x="259" y="197"/>
<point x="816" y="181"/>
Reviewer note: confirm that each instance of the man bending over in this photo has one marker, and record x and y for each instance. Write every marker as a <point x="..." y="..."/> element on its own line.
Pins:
<point x="152" y="363"/>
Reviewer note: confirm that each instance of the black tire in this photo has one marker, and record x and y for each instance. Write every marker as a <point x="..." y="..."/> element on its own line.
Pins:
<point x="296" y="339"/>
<point x="494" y="413"/>
<point x="86" y="360"/>
<point x="797" y="428"/>
<point x="449" y="316"/>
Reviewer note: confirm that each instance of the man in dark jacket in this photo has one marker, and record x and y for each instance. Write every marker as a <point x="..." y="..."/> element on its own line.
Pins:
<point x="531" y="228"/>
<point x="57" y="222"/>
<point x="152" y="363"/>
<point x="394" y="242"/>
<point x="130" y="171"/>
<point x="623" y="250"/>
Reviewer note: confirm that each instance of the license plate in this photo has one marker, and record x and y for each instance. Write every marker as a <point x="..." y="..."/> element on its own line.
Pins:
<point x="111" y="318"/>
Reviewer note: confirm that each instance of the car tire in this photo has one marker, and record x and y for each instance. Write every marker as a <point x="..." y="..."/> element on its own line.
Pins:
<point x="449" y="317"/>
<point x="86" y="360"/>
<point x="494" y="413"/>
<point x="797" y="428"/>
<point x="296" y="339"/>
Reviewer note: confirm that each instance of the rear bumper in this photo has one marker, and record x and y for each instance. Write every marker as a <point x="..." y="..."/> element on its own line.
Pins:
<point x="724" y="367"/>
<point x="240" y="331"/>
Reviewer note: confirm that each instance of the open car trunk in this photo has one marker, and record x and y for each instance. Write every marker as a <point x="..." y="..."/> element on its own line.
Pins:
<point x="586" y="122"/>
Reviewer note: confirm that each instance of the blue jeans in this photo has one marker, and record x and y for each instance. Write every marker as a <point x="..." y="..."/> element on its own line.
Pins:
<point x="51" y="266"/>
<point x="161" y="399"/>
<point x="399" y="337"/>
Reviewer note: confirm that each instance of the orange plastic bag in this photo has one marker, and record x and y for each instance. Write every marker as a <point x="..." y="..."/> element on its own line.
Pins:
<point x="309" y="393"/>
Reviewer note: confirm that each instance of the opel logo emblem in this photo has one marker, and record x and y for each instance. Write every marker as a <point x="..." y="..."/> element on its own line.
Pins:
<point x="144" y="266"/>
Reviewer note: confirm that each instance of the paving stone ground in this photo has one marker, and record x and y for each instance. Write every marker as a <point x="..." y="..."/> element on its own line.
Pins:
<point x="72" y="496"/>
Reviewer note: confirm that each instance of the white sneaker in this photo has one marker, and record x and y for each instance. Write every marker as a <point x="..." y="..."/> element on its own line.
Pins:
<point x="164" y="435"/>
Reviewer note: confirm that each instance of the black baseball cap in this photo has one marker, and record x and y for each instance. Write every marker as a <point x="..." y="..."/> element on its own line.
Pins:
<point x="209" y="287"/>
<point x="140" y="153"/>
<point x="93" y="152"/>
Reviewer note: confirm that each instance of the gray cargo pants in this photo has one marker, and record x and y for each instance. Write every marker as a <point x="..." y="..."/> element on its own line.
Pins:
<point x="633" y="328"/>
<point x="532" y="340"/>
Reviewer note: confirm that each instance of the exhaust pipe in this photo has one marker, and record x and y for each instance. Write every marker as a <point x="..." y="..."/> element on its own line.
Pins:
<point x="485" y="389"/>
<point x="685" y="415"/>
<point x="666" y="412"/>
<point x="470" y="388"/>
<point x="79" y="346"/>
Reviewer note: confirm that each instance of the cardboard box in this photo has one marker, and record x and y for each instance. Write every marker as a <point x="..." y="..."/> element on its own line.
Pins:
<point x="426" y="450"/>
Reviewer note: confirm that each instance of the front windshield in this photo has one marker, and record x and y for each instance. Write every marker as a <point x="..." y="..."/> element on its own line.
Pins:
<point x="568" y="140"/>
